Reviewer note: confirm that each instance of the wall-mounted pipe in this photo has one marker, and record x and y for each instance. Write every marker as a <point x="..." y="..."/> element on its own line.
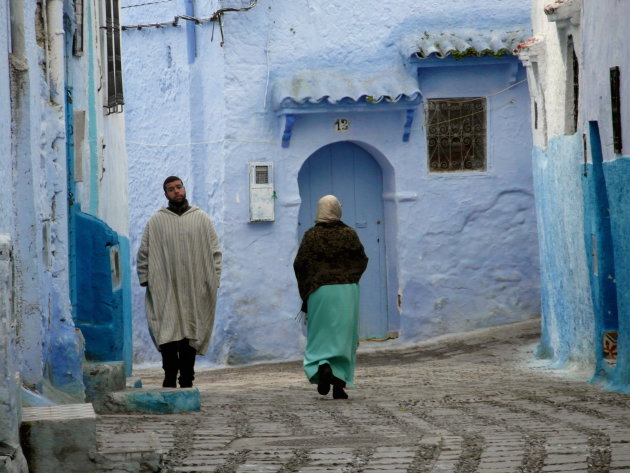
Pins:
<point x="18" y="47"/>
<point x="56" y="64"/>
<point x="216" y="16"/>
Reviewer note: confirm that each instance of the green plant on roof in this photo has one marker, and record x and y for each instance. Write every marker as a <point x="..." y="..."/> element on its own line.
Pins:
<point x="472" y="52"/>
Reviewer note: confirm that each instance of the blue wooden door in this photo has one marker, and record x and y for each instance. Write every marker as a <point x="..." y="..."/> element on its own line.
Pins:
<point x="350" y="173"/>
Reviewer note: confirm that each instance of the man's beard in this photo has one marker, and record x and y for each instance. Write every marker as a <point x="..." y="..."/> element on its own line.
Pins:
<point x="178" y="206"/>
<point x="178" y="203"/>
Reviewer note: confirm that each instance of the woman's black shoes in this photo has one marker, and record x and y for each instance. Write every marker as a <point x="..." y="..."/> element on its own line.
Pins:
<point x="338" y="392"/>
<point x="324" y="379"/>
<point x="338" y="385"/>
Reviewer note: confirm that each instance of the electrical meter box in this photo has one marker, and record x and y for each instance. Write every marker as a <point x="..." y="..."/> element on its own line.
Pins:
<point x="261" y="192"/>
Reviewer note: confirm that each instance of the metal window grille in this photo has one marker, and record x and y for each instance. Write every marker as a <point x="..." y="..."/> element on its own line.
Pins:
<point x="576" y="86"/>
<point x="77" y="39"/>
<point x="115" y="100"/>
<point x="262" y="174"/>
<point x="456" y="134"/>
<point x="572" y="88"/>
<point x="615" y="99"/>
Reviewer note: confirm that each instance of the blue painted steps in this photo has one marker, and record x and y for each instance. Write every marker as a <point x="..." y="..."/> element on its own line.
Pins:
<point x="149" y="401"/>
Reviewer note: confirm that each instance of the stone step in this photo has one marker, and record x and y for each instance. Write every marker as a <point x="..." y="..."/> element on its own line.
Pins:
<point x="128" y="452"/>
<point x="149" y="400"/>
<point x="103" y="377"/>
<point x="59" y="438"/>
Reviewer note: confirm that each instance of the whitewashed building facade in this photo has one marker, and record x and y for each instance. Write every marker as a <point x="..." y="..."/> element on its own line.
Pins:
<point x="579" y="80"/>
<point x="415" y="115"/>
<point x="64" y="169"/>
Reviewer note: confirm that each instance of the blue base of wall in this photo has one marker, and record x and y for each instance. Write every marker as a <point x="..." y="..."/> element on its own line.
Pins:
<point x="103" y="295"/>
<point x="127" y="320"/>
<point x="617" y="174"/>
<point x="599" y="251"/>
<point x="63" y="367"/>
<point x="567" y="309"/>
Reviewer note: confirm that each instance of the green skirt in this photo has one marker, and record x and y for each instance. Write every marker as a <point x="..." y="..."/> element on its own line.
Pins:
<point x="333" y="331"/>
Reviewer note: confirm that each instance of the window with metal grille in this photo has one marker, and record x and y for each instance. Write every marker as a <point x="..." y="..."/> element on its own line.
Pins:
<point x="77" y="39"/>
<point x="573" y="88"/>
<point x="456" y="134"/>
<point x="114" y="102"/>
<point x="615" y="99"/>
<point x="262" y="174"/>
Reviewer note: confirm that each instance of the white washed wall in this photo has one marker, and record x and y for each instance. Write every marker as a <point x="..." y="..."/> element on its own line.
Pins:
<point x="207" y="120"/>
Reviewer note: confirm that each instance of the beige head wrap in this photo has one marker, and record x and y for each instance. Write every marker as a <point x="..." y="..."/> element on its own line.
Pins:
<point x="328" y="209"/>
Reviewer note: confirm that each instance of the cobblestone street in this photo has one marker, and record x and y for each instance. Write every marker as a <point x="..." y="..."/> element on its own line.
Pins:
<point x="473" y="403"/>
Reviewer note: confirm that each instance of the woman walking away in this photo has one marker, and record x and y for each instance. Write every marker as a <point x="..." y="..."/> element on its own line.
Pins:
<point x="328" y="266"/>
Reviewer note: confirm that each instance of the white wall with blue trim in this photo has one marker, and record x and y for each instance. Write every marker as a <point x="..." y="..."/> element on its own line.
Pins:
<point x="581" y="183"/>
<point x="42" y="84"/>
<point x="461" y="248"/>
<point x="603" y="26"/>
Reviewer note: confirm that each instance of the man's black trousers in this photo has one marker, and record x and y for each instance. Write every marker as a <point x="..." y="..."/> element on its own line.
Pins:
<point x="178" y="357"/>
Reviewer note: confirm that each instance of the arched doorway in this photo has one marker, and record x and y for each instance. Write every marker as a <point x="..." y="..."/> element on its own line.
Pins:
<point x="351" y="173"/>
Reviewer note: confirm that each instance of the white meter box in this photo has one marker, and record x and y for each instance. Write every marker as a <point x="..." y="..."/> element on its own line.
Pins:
<point x="261" y="192"/>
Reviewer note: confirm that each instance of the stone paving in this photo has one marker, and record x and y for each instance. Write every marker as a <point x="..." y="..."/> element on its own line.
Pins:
<point x="473" y="403"/>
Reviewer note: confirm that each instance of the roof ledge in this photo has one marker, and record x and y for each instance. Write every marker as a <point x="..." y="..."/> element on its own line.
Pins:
<point x="529" y="50"/>
<point x="325" y="90"/>
<point x="564" y="11"/>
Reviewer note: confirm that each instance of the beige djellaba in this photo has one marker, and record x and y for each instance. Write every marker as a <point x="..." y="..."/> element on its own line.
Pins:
<point x="180" y="259"/>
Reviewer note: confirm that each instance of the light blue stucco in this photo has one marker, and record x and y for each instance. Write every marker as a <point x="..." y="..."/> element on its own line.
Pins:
<point x="599" y="250"/>
<point x="9" y="387"/>
<point x="617" y="174"/>
<point x="461" y="249"/>
<point x="581" y="184"/>
<point x="91" y="109"/>
<point x="42" y="85"/>
<point x="567" y="309"/>
<point x="127" y="331"/>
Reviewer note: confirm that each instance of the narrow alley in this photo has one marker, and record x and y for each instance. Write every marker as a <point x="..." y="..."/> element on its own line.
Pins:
<point x="477" y="402"/>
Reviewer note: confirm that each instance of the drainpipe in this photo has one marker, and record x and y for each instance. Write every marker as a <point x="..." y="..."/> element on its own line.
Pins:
<point x="16" y="9"/>
<point x="54" y="14"/>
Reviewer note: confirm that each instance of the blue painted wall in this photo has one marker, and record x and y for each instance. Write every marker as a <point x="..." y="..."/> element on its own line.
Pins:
<point x="102" y="312"/>
<point x="461" y="248"/>
<point x="93" y="202"/>
<point x="99" y="303"/>
<point x="41" y="342"/>
<point x="585" y="280"/>
<point x="617" y="175"/>
<point x="125" y="261"/>
<point x="567" y="308"/>
<point x="599" y="249"/>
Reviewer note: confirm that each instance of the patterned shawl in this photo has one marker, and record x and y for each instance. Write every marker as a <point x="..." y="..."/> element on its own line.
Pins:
<point x="330" y="253"/>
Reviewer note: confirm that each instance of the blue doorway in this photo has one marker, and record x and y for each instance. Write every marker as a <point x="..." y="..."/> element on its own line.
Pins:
<point x="351" y="173"/>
